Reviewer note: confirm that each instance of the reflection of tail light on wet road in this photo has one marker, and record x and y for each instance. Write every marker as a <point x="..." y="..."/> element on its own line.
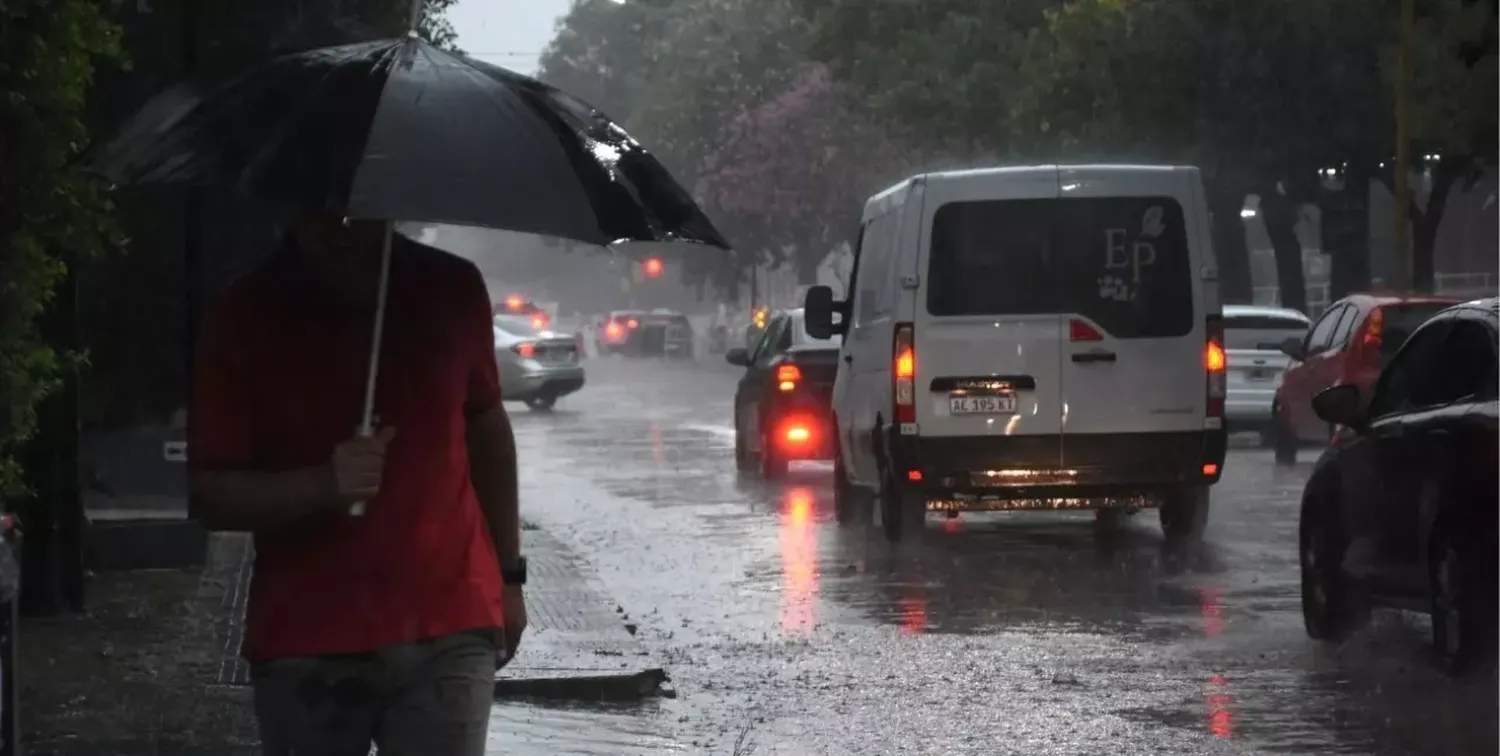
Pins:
<point x="1216" y="699"/>
<point x="911" y="613"/>
<point x="799" y="563"/>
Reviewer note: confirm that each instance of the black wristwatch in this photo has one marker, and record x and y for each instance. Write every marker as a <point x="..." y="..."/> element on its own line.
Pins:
<point x="514" y="573"/>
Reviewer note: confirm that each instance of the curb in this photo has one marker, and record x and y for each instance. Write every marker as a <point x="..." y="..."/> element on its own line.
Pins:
<point x="579" y="645"/>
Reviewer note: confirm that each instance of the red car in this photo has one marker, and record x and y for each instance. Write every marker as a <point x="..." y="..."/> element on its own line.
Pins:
<point x="1353" y="340"/>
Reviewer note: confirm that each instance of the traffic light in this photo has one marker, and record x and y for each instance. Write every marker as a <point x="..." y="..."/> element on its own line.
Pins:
<point x="652" y="267"/>
<point x="759" y="318"/>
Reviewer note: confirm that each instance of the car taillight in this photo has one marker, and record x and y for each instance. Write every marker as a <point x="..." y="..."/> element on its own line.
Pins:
<point x="613" y="330"/>
<point x="796" y="432"/>
<point x="1374" y="331"/>
<point x="1078" y="330"/>
<point x="632" y="323"/>
<point x="538" y="322"/>
<point x="904" y="373"/>
<point x="787" y="377"/>
<point x="1214" y="363"/>
<point x="524" y="349"/>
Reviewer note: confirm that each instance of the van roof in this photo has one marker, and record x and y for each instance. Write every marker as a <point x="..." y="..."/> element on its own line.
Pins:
<point x="896" y="193"/>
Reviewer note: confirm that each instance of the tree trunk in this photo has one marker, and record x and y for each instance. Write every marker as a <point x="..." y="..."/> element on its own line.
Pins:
<point x="1346" y="234"/>
<point x="1225" y="204"/>
<point x="1280" y="216"/>
<point x="808" y="262"/>
<point x="1425" y="222"/>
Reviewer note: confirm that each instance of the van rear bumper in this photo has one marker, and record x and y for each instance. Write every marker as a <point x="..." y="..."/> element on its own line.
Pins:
<point x="1123" y="466"/>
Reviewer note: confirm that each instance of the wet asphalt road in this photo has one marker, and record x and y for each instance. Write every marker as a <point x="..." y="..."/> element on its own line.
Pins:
<point x="999" y="634"/>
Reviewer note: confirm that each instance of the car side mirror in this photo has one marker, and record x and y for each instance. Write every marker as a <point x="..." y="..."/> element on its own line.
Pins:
<point x="818" y="308"/>
<point x="1292" y="347"/>
<point x="738" y="356"/>
<point x="1340" y="405"/>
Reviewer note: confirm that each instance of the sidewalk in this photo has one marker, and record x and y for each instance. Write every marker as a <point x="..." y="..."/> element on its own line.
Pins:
<point x="153" y="668"/>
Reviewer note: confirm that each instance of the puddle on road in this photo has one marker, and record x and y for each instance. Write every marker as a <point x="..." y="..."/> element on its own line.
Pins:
<point x="520" y="729"/>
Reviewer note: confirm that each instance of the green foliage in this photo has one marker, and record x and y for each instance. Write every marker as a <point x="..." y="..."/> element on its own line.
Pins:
<point x="48" y="52"/>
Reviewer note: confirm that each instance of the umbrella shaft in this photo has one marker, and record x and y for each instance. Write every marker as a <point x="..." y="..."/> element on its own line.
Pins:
<point x="367" y="418"/>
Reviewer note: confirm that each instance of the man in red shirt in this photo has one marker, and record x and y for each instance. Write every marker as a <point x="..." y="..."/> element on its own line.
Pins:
<point x="385" y="626"/>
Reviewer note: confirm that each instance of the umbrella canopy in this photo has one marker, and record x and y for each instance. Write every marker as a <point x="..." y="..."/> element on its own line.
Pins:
<point x="402" y="130"/>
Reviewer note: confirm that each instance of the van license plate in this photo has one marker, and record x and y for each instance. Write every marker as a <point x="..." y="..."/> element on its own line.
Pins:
<point x="1002" y="404"/>
<point x="1261" y="374"/>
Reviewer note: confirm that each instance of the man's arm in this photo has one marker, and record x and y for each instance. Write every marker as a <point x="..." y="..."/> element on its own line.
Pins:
<point x="492" y="468"/>
<point x="257" y="501"/>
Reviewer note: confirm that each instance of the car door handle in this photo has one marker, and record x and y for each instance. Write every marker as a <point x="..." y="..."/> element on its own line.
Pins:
<point x="849" y="359"/>
<point x="1094" y="357"/>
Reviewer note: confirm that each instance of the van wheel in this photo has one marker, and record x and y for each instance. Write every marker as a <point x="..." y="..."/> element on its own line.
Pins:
<point x="1331" y="605"/>
<point x="903" y="510"/>
<point x="848" y="506"/>
<point x="1283" y="439"/>
<point x="1463" y="601"/>
<point x="1184" y="515"/>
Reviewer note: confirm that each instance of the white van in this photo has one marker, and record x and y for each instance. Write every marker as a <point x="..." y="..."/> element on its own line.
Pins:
<point x="1044" y="337"/>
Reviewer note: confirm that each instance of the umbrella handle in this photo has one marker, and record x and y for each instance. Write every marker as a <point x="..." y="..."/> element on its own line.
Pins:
<point x="367" y="420"/>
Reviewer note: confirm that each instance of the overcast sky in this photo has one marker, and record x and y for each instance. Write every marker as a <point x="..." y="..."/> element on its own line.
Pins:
<point x="510" y="33"/>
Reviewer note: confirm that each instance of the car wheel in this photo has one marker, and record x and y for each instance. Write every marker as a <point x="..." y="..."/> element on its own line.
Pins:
<point x="1184" y="515"/>
<point x="744" y="461"/>
<point x="542" y="403"/>
<point x="1283" y="440"/>
<point x="773" y="466"/>
<point x="1463" y="601"/>
<point x="903" y="511"/>
<point x="1331" y="607"/>
<point x="848" y="506"/>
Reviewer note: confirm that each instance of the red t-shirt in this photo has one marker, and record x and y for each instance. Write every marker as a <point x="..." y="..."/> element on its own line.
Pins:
<point x="279" y="381"/>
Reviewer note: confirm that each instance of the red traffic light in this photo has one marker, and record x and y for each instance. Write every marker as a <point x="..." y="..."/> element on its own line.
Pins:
<point x="652" y="267"/>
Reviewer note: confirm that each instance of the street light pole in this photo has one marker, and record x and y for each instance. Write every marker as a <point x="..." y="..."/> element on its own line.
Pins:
<point x="1402" y="268"/>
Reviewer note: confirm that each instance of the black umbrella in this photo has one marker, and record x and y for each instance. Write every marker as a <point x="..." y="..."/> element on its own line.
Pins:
<point x="402" y="130"/>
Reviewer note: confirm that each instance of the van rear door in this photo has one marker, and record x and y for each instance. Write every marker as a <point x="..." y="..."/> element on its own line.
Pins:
<point x="987" y="331"/>
<point x="1135" y="330"/>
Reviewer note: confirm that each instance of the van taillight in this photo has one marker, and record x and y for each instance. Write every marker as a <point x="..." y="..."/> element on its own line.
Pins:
<point x="1214" y="363"/>
<point x="905" y="374"/>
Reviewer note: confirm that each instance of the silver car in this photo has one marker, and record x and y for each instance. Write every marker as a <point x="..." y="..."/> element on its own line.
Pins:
<point x="537" y="366"/>
<point x="1252" y="342"/>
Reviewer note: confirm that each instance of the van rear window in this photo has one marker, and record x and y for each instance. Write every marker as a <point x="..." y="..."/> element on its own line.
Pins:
<point x="1120" y="261"/>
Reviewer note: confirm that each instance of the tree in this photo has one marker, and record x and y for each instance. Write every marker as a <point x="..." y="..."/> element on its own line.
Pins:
<point x="797" y="168"/>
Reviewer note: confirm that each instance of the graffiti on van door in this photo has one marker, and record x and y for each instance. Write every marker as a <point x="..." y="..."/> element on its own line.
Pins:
<point x="1125" y="257"/>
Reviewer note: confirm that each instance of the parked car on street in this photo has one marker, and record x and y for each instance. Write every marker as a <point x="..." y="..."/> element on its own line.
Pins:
<point x="537" y="366"/>
<point x="1401" y="509"/>
<point x="1030" y="338"/>
<point x="1348" y="344"/>
<point x="782" y="403"/>
<point x="1253" y="339"/>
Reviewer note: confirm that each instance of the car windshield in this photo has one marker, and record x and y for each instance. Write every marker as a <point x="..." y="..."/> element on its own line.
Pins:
<point x="516" y="325"/>
<point x="1261" y="331"/>
<point x="1400" y="320"/>
<point x="801" y="337"/>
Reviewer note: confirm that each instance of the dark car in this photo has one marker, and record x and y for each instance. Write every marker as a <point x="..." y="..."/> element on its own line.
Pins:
<point x="637" y="333"/>
<point x="782" y="405"/>
<point x="1401" y="509"/>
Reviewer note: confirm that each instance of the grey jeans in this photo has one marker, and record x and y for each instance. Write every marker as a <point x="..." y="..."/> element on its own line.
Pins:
<point x="429" y="698"/>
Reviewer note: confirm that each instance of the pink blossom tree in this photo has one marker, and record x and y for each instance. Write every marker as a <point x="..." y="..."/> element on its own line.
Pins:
<point x="793" y="172"/>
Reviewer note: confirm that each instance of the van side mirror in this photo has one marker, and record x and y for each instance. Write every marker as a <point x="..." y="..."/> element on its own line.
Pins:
<point x="1340" y="405"/>
<point x="817" y="316"/>
<point x="1292" y="347"/>
<point x="738" y="356"/>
